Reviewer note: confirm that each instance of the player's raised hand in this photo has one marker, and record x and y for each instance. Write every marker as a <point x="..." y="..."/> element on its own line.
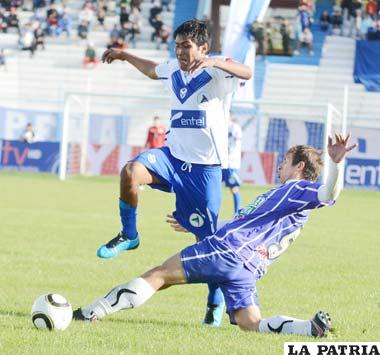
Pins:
<point x="200" y="63"/>
<point x="111" y="54"/>
<point x="174" y="224"/>
<point x="340" y="148"/>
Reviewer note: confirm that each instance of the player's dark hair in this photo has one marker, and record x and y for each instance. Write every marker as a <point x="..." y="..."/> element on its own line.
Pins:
<point x="312" y="159"/>
<point x="194" y="30"/>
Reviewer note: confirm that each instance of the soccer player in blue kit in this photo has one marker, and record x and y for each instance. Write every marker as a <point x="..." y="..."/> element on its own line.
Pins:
<point x="196" y="146"/>
<point x="238" y="254"/>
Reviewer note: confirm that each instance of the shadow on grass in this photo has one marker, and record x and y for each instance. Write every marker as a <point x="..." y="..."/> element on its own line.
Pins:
<point x="164" y="323"/>
<point x="9" y="313"/>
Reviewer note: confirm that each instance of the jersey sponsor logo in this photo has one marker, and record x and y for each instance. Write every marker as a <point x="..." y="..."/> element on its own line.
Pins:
<point x="151" y="158"/>
<point x="188" y="119"/>
<point x="196" y="220"/>
<point x="252" y="207"/>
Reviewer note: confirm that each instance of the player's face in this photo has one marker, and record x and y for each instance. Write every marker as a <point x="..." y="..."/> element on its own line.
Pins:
<point x="287" y="171"/>
<point x="187" y="51"/>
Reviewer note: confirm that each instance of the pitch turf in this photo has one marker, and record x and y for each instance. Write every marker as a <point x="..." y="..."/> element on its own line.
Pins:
<point x="50" y="230"/>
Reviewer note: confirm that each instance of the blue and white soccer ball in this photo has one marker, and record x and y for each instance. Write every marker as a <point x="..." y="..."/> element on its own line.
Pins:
<point x="51" y="311"/>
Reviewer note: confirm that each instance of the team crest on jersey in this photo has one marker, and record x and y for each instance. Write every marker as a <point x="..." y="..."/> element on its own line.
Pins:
<point x="231" y="180"/>
<point x="151" y="158"/>
<point x="183" y="92"/>
<point x="196" y="220"/>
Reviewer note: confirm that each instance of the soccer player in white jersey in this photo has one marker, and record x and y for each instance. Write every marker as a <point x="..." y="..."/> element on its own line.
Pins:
<point x="196" y="147"/>
<point x="230" y="175"/>
<point x="238" y="254"/>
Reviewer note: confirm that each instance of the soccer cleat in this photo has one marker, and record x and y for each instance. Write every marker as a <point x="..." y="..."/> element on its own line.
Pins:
<point x="78" y="315"/>
<point x="117" y="245"/>
<point x="214" y="315"/>
<point x="321" y="324"/>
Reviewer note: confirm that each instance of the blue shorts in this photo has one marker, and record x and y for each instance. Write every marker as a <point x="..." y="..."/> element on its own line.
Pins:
<point x="207" y="262"/>
<point x="198" y="189"/>
<point x="231" y="177"/>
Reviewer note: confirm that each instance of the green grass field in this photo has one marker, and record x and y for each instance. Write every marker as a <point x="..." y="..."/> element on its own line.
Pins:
<point x="50" y="230"/>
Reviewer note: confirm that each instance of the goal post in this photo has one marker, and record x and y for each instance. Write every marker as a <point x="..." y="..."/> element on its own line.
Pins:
<point x="92" y="123"/>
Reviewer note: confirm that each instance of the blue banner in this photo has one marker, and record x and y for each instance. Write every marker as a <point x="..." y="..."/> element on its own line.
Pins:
<point x="39" y="156"/>
<point x="367" y="64"/>
<point x="362" y="173"/>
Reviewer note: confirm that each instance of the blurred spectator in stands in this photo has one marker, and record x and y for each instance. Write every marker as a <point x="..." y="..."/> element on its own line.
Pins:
<point x="355" y="22"/>
<point x="258" y="33"/>
<point x="371" y="9"/>
<point x="65" y="23"/>
<point x="305" y="40"/>
<point x="115" y="32"/>
<point x="124" y="16"/>
<point x="156" y="134"/>
<point x="135" y="23"/>
<point x="136" y="3"/>
<point x="155" y="10"/>
<point x="51" y="19"/>
<point x="268" y="37"/>
<point x="286" y="35"/>
<point x="101" y="12"/>
<point x="28" y="134"/>
<point x="39" y="4"/>
<point x="336" y="22"/>
<point x="3" y="22"/>
<point x="39" y="35"/>
<point x="90" y="56"/>
<point x="324" y="21"/>
<point x="87" y="15"/>
<point x="165" y="4"/>
<point x="27" y="41"/>
<point x="117" y="42"/>
<point x="304" y="17"/>
<point x="374" y="32"/>
<point x="157" y="25"/>
<point x="346" y="6"/>
<point x="3" y="62"/>
<point x="12" y="19"/>
<point x="83" y="30"/>
<point x="366" y="24"/>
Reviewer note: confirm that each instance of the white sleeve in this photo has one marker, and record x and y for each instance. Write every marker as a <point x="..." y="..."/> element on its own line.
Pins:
<point x="334" y="182"/>
<point x="163" y="73"/>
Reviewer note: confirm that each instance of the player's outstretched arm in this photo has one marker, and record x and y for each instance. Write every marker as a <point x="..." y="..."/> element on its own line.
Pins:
<point x="239" y="70"/>
<point x="145" y="66"/>
<point x="337" y="153"/>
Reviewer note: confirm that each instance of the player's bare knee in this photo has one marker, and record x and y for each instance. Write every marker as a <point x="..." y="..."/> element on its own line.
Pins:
<point x="129" y="174"/>
<point x="246" y="320"/>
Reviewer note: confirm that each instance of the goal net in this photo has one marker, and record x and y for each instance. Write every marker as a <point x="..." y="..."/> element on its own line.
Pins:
<point x="276" y="126"/>
<point x="100" y="133"/>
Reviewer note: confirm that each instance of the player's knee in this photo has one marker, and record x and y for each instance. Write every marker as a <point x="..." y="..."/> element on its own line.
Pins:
<point x="247" y="322"/>
<point x="129" y="174"/>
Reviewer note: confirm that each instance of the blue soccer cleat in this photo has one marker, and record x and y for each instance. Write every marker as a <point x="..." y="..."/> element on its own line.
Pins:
<point x="214" y="315"/>
<point x="117" y="245"/>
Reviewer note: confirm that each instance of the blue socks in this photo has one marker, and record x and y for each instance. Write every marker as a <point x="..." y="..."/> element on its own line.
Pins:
<point x="128" y="216"/>
<point x="215" y="295"/>
<point x="236" y="196"/>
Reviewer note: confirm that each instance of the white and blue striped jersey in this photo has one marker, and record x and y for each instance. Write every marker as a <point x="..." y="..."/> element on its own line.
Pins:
<point x="198" y="124"/>
<point x="262" y="231"/>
